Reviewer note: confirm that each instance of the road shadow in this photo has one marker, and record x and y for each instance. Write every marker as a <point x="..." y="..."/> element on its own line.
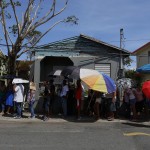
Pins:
<point x="70" y="118"/>
<point x="134" y="124"/>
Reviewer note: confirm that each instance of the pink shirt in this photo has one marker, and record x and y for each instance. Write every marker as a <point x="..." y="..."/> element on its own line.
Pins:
<point x="139" y="95"/>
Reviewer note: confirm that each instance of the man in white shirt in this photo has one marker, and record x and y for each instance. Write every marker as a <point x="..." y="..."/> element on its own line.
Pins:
<point x="18" y="98"/>
<point x="64" y="95"/>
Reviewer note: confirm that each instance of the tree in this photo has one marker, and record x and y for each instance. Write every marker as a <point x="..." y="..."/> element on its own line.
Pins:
<point x="128" y="61"/>
<point x="24" y="33"/>
<point x="137" y="77"/>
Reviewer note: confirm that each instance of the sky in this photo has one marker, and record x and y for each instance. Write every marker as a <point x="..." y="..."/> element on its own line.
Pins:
<point x="103" y="19"/>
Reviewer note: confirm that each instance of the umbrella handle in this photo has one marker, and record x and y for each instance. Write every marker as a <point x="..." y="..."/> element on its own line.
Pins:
<point x="90" y="101"/>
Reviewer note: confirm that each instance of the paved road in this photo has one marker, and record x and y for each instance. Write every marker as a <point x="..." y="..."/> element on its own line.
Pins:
<point x="33" y="135"/>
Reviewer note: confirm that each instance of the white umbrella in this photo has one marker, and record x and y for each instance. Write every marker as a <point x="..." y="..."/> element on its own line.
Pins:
<point x="19" y="80"/>
<point x="55" y="73"/>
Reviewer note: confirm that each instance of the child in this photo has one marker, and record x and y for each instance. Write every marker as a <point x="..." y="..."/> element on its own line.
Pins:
<point x="31" y="99"/>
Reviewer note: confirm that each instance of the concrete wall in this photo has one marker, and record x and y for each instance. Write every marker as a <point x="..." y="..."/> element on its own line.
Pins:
<point x="143" y="58"/>
<point x="89" y="62"/>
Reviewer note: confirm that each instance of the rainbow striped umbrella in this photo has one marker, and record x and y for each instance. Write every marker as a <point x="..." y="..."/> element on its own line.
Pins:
<point x="94" y="79"/>
<point x="97" y="81"/>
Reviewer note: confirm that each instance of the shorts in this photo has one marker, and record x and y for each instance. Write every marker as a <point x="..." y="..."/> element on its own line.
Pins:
<point x="78" y="104"/>
<point x="148" y="103"/>
<point x="98" y="100"/>
<point x="132" y="101"/>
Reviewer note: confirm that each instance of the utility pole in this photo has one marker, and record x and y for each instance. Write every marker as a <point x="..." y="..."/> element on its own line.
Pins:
<point x="121" y="67"/>
<point x="121" y="42"/>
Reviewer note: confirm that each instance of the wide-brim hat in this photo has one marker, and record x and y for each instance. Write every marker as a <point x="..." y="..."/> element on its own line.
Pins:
<point x="32" y="86"/>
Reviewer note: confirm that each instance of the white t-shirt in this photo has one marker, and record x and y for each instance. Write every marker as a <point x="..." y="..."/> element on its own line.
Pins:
<point x="18" y="94"/>
<point x="64" y="91"/>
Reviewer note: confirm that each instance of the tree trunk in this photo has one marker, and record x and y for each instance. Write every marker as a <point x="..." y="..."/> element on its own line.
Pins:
<point x="12" y="64"/>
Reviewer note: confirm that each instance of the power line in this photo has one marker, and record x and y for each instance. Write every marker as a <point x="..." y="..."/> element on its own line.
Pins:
<point x="133" y="40"/>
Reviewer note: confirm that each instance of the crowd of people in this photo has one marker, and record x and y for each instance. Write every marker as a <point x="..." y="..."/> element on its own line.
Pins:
<point x="97" y="104"/>
<point x="135" y="103"/>
<point x="12" y="98"/>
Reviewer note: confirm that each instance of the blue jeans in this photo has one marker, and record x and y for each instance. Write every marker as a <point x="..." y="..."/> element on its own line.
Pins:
<point x="64" y="105"/>
<point x="31" y="103"/>
<point x="19" y="108"/>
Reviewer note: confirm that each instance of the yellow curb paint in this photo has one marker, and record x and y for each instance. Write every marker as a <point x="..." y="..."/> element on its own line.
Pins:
<point x="135" y="134"/>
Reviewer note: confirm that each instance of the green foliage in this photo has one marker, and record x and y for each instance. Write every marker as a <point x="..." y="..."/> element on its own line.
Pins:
<point x="21" y="32"/>
<point x="14" y="29"/>
<point x="137" y="77"/>
<point x="71" y="19"/>
<point x="34" y="35"/>
<point x="128" y="61"/>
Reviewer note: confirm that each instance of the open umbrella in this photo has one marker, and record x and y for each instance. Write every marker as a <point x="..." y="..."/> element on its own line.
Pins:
<point x="146" y="89"/>
<point x="19" y="80"/>
<point x="124" y="83"/>
<point x="97" y="81"/>
<point x="144" y="69"/>
<point x="92" y="78"/>
<point x="71" y="72"/>
<point x="55" y="73"/>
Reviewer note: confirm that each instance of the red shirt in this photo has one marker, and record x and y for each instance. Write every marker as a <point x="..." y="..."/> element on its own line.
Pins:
<point x="78" y="93"/>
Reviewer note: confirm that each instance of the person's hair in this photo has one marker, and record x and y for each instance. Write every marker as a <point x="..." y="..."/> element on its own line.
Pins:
<point x="64" y="81"/>
<point x="51" y="81"/>
<point x="78" y="83"/>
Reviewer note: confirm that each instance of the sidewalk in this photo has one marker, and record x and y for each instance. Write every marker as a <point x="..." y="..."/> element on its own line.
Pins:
<point x="59" y="119"/>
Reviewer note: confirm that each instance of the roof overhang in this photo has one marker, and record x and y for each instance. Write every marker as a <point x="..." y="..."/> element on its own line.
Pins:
<point x="141" y="49"/>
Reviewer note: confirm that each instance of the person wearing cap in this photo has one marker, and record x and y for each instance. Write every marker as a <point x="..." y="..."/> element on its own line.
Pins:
<point x="31" y="99"/>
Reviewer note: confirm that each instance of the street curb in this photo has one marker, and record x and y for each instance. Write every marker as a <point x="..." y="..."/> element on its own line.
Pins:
<point x="83" y="120"/>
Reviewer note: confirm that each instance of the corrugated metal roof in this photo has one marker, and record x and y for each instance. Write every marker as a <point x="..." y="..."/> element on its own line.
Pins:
<point x="75" y="38"/>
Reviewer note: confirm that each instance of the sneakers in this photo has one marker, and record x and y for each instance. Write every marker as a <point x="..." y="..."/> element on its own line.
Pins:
<point x="79" y="118"/>
<point x="110" y="118"/>
<point x="17" y="117"/>
<point x="31" y="117"/>
<point x="45" y="118"/>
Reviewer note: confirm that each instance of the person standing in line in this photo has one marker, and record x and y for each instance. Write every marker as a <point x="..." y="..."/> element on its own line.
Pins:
<point x="18" y="98"/>
<point x="52" y="96"/>
<point x="127" y="103"/>
<point x="46" y="103"/>
<point x="78" y="96"/>
<point x="9" y="98"/>
<point x="31" y="99"/>
<point x="64" y="96"/>
<point x="97" y="104"/>
<point x="139" y="101"/>
<point x="2" y="96"/>
<point x="132" y="99"/>
<point x="111" y="98"/>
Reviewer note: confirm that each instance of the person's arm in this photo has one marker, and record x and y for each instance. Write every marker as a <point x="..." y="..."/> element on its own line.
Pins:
<point x="134" y="92"/>
<point x="114" y="97"/>
<point x="14" y="88"/>
<point x="67" y="91"/>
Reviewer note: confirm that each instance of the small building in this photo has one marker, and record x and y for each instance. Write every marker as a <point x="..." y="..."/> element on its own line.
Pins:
<point x="142" y="58"/>
<point x="82" y="51"/>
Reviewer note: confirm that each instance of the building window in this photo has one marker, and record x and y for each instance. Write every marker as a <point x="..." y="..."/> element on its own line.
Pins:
<point x="105" y="68"/>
